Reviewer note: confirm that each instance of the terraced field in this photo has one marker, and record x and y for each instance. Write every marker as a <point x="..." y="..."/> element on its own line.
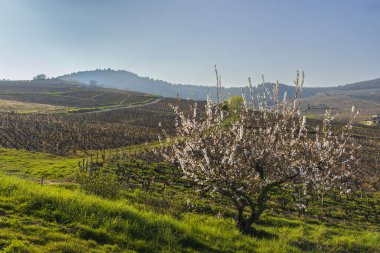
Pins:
<point x="71" y="95"/>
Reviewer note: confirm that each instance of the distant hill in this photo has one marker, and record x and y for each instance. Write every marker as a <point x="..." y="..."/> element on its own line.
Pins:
<point x="365" y="95"/>
<point x="122" y="79"/>
<point x="126" y="80"/>
<point x="370" y="84"/>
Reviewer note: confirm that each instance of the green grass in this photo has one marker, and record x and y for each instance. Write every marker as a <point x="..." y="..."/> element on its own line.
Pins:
<point x="37" y="164"/>
<point x="35" y="218"/>
<point x="60" y="218"/>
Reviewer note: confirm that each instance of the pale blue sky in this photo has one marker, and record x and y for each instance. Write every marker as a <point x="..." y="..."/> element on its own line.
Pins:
<point x="334" y="41"/>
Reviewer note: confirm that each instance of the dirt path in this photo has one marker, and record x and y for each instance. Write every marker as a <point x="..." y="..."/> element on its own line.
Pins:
<point x="123" y="107"/>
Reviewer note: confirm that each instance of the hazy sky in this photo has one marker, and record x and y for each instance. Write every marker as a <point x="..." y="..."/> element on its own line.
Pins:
<point x="334" y="41"/>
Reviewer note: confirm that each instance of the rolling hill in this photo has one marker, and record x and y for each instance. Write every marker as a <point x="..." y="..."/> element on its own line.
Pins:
<point x="54" y="197"/>
<point x="69" y="94"/>
<point x="365" y="95"/>
<point x="122" y="79"/>
<point x="86" y="89"/>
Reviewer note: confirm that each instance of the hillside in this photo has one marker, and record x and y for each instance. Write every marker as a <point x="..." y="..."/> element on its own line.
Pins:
<point x="369" y="84"/>
<point x="129" y="81"/>
<point x="37" y="218"/>
<point x="58" y="95"/>
<point x="364" y="95"/>
<point x="44" y="209"/>
<point x="70" y="94"/>
<point x="81" y="173"/>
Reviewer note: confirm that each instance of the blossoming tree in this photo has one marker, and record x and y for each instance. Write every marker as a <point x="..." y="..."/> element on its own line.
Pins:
<point x="266" y="145"/>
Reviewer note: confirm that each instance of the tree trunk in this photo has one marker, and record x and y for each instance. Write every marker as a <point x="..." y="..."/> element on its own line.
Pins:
<point x="256" y="207"/>
<point x="245" y="227"/>
<point x="245" y="224"/>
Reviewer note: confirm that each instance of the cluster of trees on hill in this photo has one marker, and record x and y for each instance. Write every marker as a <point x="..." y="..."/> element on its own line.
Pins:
<point x="40" y="77"/>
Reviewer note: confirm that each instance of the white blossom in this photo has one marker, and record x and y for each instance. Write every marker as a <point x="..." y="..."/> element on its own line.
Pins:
<point x="265" y="146"/>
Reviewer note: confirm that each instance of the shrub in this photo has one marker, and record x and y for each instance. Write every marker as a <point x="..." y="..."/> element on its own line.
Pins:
<point x="101" y="183"/>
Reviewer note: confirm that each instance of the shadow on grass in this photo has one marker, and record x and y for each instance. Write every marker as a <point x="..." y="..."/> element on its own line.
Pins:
<point x="278" y="223"/>
<point x="261" y="234"/>
<point x="90" y="218"/>
<point x="196" y="245"/>
<point x="304" y="244"/>
<point x="312" y="222"/>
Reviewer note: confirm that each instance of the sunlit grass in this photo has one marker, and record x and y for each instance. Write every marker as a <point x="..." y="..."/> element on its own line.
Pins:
<point x="47" y="218"/>
<point x="37" y="164"/>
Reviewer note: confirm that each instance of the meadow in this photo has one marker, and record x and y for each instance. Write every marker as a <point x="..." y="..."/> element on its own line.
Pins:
<point x="42" y="218"/>
<point x="62" y="216"/>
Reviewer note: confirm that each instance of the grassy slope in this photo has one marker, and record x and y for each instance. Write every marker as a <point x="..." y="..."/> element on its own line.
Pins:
<point x="49" y="218"/>
<point x="36" y="165"/>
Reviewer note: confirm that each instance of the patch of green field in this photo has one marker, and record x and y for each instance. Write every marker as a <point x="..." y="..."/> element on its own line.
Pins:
<point x="40" y="218"/>
<point x="314" y="116"/>
<point x="60" y="218"/>
<point x="89" y="109"/>
<point x="36" y="164"/>
<point x="27" y="108"/>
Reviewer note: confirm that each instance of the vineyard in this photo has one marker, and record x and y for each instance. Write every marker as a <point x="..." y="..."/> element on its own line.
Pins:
<point x="96" y="118"/>
<point x="61" y="93"/>
<point x="68" y="133"/>
<point x="98" y="180"/>
<point x="145" y="170"/>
